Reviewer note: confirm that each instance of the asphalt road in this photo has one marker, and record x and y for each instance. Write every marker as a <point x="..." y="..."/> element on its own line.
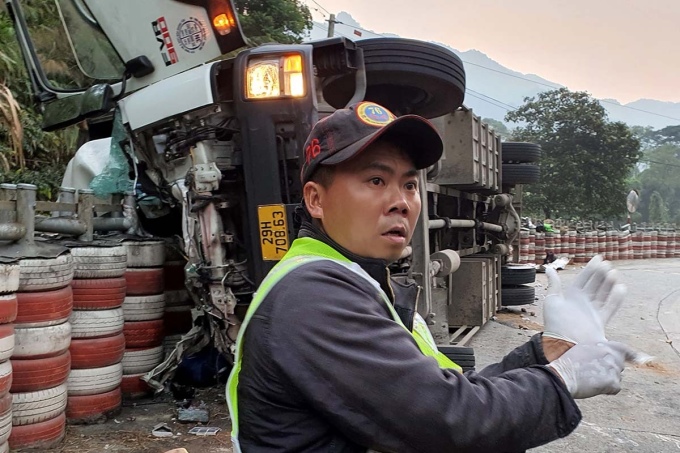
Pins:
<point x="645" y="415"/>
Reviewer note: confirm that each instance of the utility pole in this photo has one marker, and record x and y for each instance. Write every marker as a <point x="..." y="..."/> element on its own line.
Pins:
<point x="331" y="26"/>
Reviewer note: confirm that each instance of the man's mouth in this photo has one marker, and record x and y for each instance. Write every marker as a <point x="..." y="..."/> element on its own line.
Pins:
<point x="397" y="232"/>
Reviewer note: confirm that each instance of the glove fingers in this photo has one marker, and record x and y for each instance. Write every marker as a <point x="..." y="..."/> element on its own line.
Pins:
<point x="621" y="352"/>
<point x="597" y="280"/>
<point x="554" y="282"/>
<point x="585" y="275"/>
<point x="613" y="301"/>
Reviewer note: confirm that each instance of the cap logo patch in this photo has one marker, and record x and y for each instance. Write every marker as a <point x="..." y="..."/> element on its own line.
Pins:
<point x="313" y="150"/>
<point x="374" y="115"/>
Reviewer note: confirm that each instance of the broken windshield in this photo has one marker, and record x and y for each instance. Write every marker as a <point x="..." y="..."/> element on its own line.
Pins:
<point x="72" y="50"/>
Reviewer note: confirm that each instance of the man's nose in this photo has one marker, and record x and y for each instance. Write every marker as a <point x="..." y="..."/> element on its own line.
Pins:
<point x="399" y="202"/>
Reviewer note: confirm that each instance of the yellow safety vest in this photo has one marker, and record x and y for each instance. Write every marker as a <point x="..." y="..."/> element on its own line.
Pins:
<point x="303" y="251"/>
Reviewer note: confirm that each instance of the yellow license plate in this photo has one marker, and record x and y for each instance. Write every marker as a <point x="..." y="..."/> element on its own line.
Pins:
<point x="273" y="231"/>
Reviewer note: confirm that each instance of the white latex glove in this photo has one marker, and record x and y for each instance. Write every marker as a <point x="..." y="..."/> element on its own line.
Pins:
<point x="592" y="369"/>
<point x="580" y="312"/>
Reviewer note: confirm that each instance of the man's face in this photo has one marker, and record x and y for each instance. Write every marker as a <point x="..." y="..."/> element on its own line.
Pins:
<point x="372" y="204"/>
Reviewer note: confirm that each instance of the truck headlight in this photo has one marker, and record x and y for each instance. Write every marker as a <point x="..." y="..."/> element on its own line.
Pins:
<point x="274" y="77"/>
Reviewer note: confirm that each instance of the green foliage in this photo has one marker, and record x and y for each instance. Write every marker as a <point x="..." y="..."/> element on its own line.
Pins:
<point x="498" y="126"/>
<point x="280" y="21"/>
<point x="45" y="154"/>
<point x="658" y="212"/>
<point x="586" y="161"/>
<point x="660" y="174"/>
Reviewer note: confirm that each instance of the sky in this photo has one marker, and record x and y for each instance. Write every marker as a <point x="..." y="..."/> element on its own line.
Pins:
<point x="614" y="49"/>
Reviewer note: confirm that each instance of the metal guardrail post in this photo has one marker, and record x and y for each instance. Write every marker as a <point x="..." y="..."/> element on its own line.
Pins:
<point x="85" y="215"/>
<point x="26" y="195"/>
<point x="7" y="193"/>
<point x="66" y="195"/>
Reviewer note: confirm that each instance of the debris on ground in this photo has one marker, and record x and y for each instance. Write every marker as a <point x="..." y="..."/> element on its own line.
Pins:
<point x="195" y="413"/>
<point x="162" y="430"/>
<point x="204" y="431"/>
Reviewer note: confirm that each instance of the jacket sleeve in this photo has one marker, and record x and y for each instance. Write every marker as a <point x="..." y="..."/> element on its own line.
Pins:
<point x="526" y="355"/>
<point x="334" y="342"/>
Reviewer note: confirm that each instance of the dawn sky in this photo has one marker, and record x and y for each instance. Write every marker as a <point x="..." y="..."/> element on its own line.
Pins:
<point x="620" y="49"/>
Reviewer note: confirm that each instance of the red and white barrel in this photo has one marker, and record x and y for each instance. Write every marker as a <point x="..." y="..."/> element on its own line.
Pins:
<point x="655" y="243"/>
<point x="531" y="257"/>
<point x="661" y="249"/>
<point x="558" y="243"/>
<point x="540" y="248"/>
<point x="580" y="256"/>
<point x="637" y="245"/>
<point x="549" y="242"/>
<point x="572" y="246"/>
<point x="524" y="246"/>
<point x="590" y="245"/>
<point x="646" y="244"/>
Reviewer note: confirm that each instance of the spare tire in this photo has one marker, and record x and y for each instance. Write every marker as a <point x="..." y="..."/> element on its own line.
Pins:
<point x="517" y="274"/>
<point x="520" y="174"/>
<point x="405" y="76"/>
<point x="520" y="152"/>
<point x="517" y="295"/>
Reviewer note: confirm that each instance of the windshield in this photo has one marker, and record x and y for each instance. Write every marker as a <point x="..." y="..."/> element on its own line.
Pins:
<point x="72" y="50"/>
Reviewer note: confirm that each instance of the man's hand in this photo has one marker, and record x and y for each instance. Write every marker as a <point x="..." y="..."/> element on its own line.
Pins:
<point x="595" y="369"/>
<point x="580" y="313"/>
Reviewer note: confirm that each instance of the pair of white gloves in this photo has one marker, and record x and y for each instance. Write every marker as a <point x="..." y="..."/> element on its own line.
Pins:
<point x="579" y="315"/>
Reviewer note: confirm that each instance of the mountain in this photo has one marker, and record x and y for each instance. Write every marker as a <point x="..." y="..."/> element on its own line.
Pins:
<point x="493" y="89"/>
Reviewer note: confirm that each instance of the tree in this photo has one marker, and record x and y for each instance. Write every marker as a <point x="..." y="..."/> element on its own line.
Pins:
<point x="657" y="208"/>
<point x="498" y="126"/>
<point x="586" y="158"/>
<point x="660" y="174"/>
<point x="281" y="21"/>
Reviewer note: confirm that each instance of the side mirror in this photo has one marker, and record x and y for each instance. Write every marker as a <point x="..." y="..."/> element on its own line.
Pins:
<point x="95" y="101"/>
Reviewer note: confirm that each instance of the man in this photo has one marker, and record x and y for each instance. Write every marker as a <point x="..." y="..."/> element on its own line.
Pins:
<point x="326" y="360"/>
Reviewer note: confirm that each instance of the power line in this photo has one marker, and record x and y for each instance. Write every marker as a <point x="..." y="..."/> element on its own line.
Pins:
<point x="317" y="4"/>
<point x="647" y="161"/>
<point x="489" y="102"/>
<point x="473" y="92"/>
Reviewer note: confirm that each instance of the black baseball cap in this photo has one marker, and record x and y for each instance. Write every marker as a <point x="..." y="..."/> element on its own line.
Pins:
<point x="346" y="132"/>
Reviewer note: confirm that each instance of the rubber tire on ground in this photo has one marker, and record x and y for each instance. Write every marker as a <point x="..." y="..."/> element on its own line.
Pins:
<point x="42" y="274"/>
<point x="6" y="377"/>
<point x="144" y="282"/>
<point x="144" y="308"/>
<point x="520" y="152"/>
<point x="144" y="334"/>
<point x="99" y="262"/>
<point x="41" y="342"/>
<point x="169" y="344"/>
<point x="517" y="295"/>
<point x="462" y="355"/>
<point x="137" y="361"/>
<point x="177" y="298"/>
<point x="5" y="418"/>
<point x="403" y="73"/>
<point x="44" y="308"/>
<point x="34" y="407"/>
<point x="96" y="323"/>
<point x="145" y="253"/>
<point x="9" y="277"/>
<point x="32" y="375"/>
<point x="43" y="436"/>
<point x="89" y="409"/>
<point x="517" y="274"/>
<point x="520" y="174"/>
<point x="98" y="293"/>
<point x="134" y="387"/>
<point x="7" y="341"/>
<point x="97" y="352"/>
<point x="93" y="381"/>
<point x="8" y="308"/>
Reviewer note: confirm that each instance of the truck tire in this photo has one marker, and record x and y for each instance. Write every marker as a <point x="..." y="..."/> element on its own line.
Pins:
<point x="520" y="174"/>
<point x="8" y="308"/>
<point x="89" y="409"/>
<point x="35" y="407"/>
<point x="145" y="253"/>
<point x="9" y="277"/>
<point x="98" y="293"/>
<point x="42" y="342"/>
<point x="144" y="308"/>
<point x="5" y="418"/>
<point x="32" y="375"/>
<point x="137" y="361"/>
<point x="42" y="274"/>
<point x="97" y="352"/>
<point x="144" y="334"/>
<point x="45" y="308"/>
<point x="40" y="436"/>
<point x="520" y="152"/>
<point x="6" y="376"/>
<point x="133" y="387"/>
<point x="96" y="323"/>
<point x="461" y="355"/>
<point x="99" y="262"/>
<point x="405" y="76"/>
<point x="7" y="340"/>
<point x="93" y="381"/>
<point x="517" y="274"/>
<point x="177" y="298"/>
<point x="144" y="282"/>
<point x="517" y="295"/>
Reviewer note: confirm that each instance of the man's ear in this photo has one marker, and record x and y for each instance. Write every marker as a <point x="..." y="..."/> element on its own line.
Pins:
<point x="312" y="193"/>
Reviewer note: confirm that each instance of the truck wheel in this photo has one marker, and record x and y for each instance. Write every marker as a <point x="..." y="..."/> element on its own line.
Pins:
<point x="461" y="355"/>
<point x="406" y="76"/>
<point x="35" y="407"/>
<point x="520" y="152"/>
<point x="520" y="174"/>
<point x="518" y="295"/>
<point x="9" y="278"/>
<point x="39" y="436"/>
<point x="517" y="274"/>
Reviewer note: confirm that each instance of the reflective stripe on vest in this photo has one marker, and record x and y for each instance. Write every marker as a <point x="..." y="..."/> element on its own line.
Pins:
<point x="303" y="251"/>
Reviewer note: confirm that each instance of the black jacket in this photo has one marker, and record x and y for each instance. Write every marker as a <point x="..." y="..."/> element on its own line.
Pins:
<point x="326" y="369"/>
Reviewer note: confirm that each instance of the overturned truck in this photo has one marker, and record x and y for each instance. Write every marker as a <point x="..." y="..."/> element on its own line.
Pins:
<point x="204" y="134"/>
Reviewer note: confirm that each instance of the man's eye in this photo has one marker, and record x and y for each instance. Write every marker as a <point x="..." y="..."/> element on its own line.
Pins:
<point x="376" y="181"/>
<point x="411" y="186"/>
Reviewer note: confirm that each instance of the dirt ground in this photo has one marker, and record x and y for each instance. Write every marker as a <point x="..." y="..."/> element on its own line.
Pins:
<point x="130" y="430"/>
